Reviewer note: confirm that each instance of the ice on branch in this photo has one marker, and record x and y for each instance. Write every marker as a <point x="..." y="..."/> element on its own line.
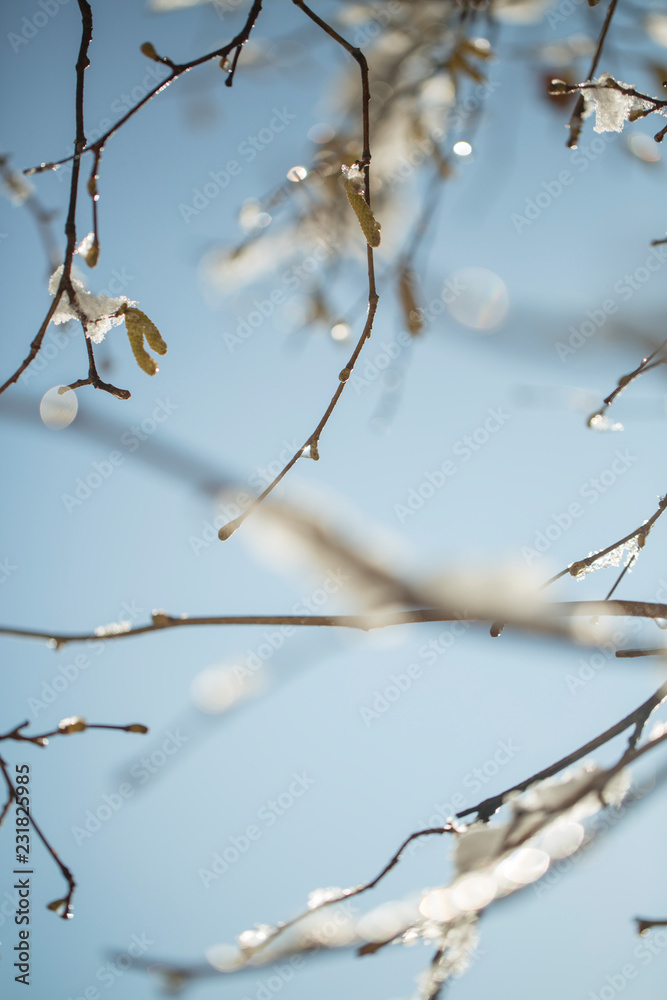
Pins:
<point x="623" y="553"/>
<point x="89" y="249"/>
<point x="97" y="313"/>
<point x="113" y="628"/>
<point x="493" y="861"/>
<point x="256" y="937"/>
<point x="614" y="103"/>
<point x="598" y="422"/>
<point x="72" y="724"/>
<point x="318" y="897"/>
<point x="458" y="944"/>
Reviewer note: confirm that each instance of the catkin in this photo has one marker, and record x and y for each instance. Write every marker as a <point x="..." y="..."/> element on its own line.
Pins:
<point x="138" y="326"/>
<point x="363" y="211"/>
<point x="411" y="311"/>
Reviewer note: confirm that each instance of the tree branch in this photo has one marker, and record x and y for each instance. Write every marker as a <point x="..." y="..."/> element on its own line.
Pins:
<point x="365" y="622"/>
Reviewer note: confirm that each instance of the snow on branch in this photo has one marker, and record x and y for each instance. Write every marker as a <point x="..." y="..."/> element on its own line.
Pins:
<point x="613" y="102"/>
<point x="549" y="820"/>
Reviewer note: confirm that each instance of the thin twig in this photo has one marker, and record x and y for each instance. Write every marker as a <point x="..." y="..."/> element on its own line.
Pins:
<point x="637" y="718"/>
<point x="69" y="726"/>
<point x="65" y="284"/>
<point x="97" y="148"/>
<point x="643" y="531"/>
<point x="365" y="622"/>
<point x="646" y="365"/>
<point x="644" y="924"/>
<point x="598" y="781"/>
<point x="630" y="654"/>
<point x="310" y="447"/>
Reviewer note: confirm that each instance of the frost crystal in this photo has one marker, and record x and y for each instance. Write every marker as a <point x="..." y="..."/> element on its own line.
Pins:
<point x="623" y="553"/>
<point x="600" y="423"/>
<point x="255" y="938"/>
<point x="459" y="943"/>
<point x="113" y="628"/>
<point x="318" y="897"/>
<point x="98" y="313"/>
<point x="613" y="107"/>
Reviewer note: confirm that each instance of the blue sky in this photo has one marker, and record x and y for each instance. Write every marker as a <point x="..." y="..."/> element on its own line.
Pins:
<point x="212" y="415"/>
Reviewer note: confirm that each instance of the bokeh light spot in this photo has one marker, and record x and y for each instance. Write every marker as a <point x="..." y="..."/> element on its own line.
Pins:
<point x="477" y="298"/>
<point x="56" y="411"/>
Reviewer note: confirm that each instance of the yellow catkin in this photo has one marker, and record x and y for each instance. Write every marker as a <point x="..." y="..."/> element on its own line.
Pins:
<point x="148" y="329"/>
<point x="138" y="326"/>
<point x="141" y="355"/>
<point x="363" y="211"/>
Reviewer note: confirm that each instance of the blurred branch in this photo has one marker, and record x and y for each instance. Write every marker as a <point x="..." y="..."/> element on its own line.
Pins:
<point x="644" y="924"/>
<point x="42" y="216"/>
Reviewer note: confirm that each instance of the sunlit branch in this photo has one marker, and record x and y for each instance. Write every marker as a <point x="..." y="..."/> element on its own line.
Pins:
<point x="576" y="118"/>
<point x="637" y="718"/>
<point x="310" y="447"/>
<point x="97" y="148"/>
<point x="596" y="784"/>
<point x="554" y="613"/>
